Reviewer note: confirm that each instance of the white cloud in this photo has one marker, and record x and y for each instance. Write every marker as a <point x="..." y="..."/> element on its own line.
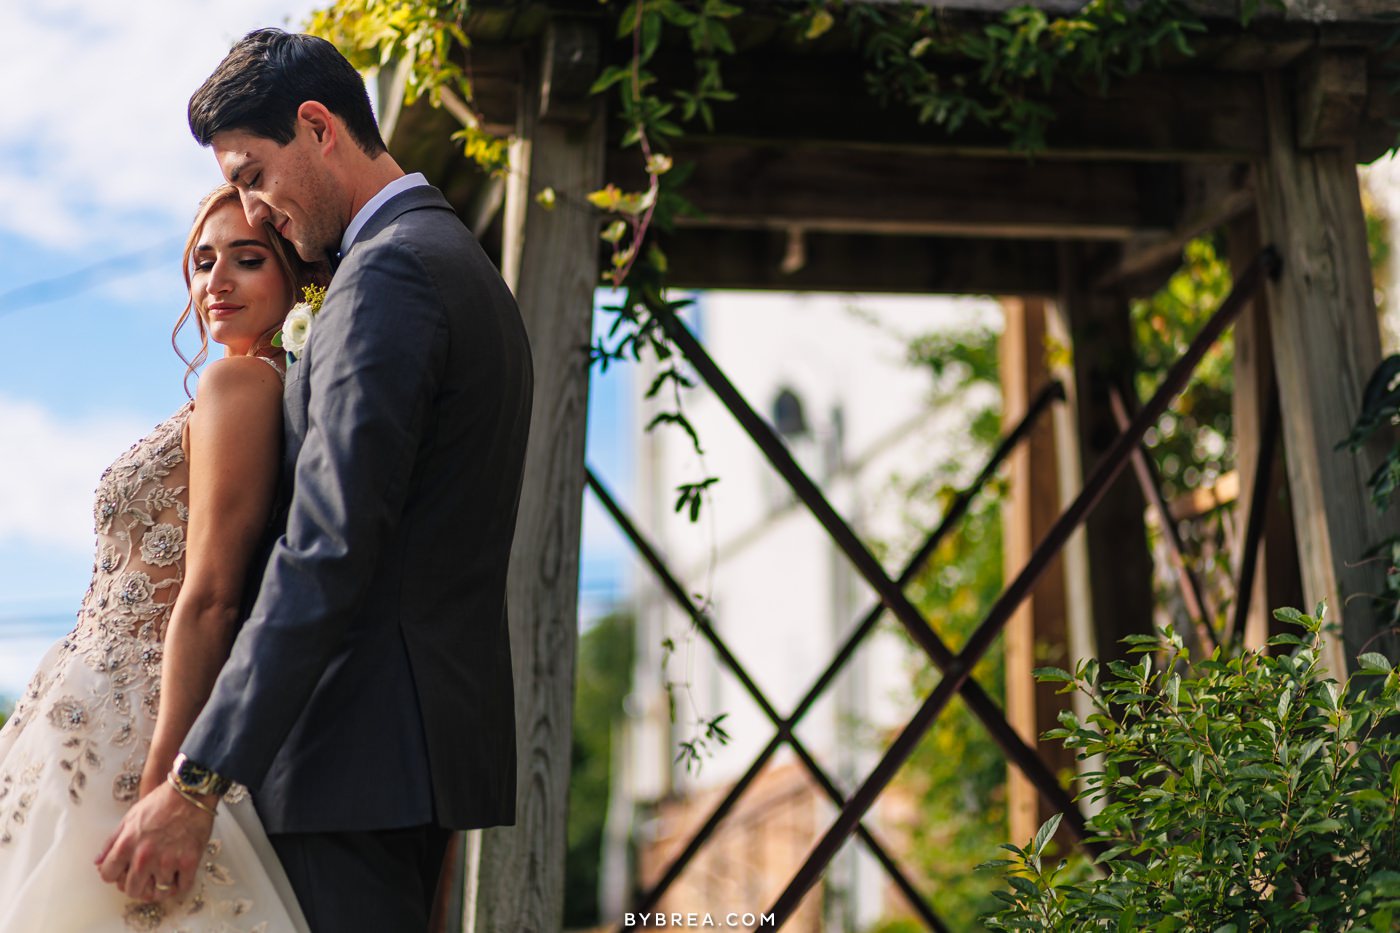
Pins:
<point x="50" y="470"/>
<point x="92" y="134"/>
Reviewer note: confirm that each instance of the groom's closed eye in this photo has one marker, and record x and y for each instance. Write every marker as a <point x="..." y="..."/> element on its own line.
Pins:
<point x="244" y="174"/>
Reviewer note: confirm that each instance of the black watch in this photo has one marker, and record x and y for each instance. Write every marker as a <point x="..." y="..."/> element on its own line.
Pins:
<point x="194" y="778"/>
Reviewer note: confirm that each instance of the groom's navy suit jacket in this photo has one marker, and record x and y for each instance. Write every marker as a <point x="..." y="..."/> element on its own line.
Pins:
<point x="370" y="687"/>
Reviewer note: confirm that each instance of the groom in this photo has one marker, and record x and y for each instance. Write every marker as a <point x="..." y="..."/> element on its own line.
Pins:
<point x="368" y="700"/>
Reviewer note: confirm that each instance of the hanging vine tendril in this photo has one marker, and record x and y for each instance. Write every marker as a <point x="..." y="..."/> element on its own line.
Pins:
<point x="996" y="71"/>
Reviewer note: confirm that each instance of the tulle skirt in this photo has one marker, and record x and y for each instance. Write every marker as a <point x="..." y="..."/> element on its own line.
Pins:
<point x="65" y="782"/>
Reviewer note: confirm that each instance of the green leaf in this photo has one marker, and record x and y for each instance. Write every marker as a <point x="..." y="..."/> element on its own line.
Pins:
<point x="610" y="76"/>
<point x="1052" y="675"/>
<point x="1047" y="831"/>
<point x="651" y="36"/>
<point x="1023" y="885"/>
<point x="1373" y="662"/>
<point x="1328" y="825"/>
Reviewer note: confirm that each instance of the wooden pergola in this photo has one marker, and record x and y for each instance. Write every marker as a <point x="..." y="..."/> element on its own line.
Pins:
<point x="807" y="184"/>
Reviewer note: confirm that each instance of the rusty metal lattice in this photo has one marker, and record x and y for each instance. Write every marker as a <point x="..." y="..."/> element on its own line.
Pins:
<point x="956" y="668"/>
<point x="785" y="726"/>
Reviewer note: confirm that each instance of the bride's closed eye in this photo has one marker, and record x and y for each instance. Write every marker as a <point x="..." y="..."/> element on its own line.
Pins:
<point x="251" y="262"/>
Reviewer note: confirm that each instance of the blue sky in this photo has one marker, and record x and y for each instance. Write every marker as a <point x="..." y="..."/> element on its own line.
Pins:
<point x="99" y="179"/>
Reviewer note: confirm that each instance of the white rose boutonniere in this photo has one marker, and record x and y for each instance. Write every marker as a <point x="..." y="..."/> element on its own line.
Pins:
<point x="296" y="329"/>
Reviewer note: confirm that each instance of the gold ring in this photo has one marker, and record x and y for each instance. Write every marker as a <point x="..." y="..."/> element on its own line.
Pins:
<point x="164" y="887"/>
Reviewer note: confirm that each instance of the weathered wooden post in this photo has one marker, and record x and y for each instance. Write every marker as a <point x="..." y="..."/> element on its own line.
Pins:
<point x="1326" y="339"/>
<point x="1120" y="564"/>
<point x="1037" y="635"/>
<point x="1276" y="583"/>
<point x="550" y="260"/>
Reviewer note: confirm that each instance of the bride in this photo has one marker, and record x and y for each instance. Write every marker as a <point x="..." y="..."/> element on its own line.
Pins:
<point x="178" y="518"/>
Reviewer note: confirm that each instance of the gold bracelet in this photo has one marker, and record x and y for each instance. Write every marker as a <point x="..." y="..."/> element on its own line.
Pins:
<point x="170" y="779"/>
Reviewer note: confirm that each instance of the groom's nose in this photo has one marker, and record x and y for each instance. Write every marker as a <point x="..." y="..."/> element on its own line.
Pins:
<point x="254" y="209"/>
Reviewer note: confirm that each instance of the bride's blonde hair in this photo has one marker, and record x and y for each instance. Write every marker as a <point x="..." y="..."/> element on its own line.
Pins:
<point x="296" y="271"/>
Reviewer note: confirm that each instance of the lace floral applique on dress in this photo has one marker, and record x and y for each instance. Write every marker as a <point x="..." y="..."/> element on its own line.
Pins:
<point x="200" y="910"/>
<point x="72" y="753"/>
<point x="139" y="515"/>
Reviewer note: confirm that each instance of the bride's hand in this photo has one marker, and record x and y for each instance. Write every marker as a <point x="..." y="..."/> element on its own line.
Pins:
<point x="156" y="851"/>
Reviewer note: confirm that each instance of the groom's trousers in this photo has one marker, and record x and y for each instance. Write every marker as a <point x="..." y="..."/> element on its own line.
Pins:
<point x="365" y="882"/>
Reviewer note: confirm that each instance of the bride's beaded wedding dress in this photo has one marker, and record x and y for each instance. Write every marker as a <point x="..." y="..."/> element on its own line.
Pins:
<point x="72" y="752"/>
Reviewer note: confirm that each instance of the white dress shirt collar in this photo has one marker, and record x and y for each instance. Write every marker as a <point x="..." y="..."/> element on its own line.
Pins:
<point x="372" y="206"/>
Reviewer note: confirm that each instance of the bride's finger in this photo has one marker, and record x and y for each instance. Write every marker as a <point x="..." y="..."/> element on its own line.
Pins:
<point x="115" y="862"/>
<point x="107" y="847"/>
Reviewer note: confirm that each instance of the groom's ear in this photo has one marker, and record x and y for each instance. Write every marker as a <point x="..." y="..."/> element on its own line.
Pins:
<point x="319" y="122"/>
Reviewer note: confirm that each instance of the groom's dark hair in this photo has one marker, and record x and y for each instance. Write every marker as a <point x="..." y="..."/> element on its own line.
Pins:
<point x="267" y="75"/>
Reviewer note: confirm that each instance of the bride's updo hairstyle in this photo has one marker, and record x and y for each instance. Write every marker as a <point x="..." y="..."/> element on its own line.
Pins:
<point x="297" y="272"/>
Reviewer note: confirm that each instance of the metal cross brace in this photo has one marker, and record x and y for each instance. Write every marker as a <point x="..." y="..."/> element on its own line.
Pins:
<point x="978" y="701"/>
<point x="1050" y="393"/>
<point x="957" y="673"/>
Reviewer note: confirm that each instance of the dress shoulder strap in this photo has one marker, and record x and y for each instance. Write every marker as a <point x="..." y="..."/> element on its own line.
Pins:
<point x="280" y="370"/>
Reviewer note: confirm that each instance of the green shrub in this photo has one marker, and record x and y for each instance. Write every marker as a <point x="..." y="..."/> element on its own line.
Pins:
<point x="1254" y="793"/>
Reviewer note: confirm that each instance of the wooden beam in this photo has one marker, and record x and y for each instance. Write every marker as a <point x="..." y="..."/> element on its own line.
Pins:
<point x="1330" y="98"/>
<point x="1155" y="116"/>
<point x="805" y="98"/>
<point x="1213" y="195"/>
<point x="1306" y="11"/>
<point x="1377" y="134"/>
<point x="502" y="20"/>
<point x="1278" y="581"/>
<point x="1037" y="634"/>
<point x="855" y="190"/>
<point x="571" y="59"/>
<point x="798" y="261"/>
<point x="550" y="262"/>
<point x="1326" y="344"/>
<point x="1195" y="503"/>
<point x="1119" y="564"/>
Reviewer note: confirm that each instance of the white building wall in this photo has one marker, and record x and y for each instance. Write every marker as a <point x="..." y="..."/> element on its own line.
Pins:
<point x="781" y="594"/>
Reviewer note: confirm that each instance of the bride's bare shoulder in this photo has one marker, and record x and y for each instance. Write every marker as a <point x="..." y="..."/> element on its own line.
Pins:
<point x="239" y="381"/>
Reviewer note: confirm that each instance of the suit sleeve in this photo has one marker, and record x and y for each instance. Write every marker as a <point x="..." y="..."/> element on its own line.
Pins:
<point x="377" y="354"/>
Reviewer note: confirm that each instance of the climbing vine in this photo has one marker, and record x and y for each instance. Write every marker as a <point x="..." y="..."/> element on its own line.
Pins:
<point x="953" y="70"/>
<point x="1000" y="74"/>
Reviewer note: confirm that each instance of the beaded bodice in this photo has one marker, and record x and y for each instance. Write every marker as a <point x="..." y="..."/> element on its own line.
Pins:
<point x="139" y="514"/>
<point x="73" y="751"/>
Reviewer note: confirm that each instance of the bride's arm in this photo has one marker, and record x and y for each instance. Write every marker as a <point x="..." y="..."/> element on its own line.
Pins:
<point x="234" y="439"/>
